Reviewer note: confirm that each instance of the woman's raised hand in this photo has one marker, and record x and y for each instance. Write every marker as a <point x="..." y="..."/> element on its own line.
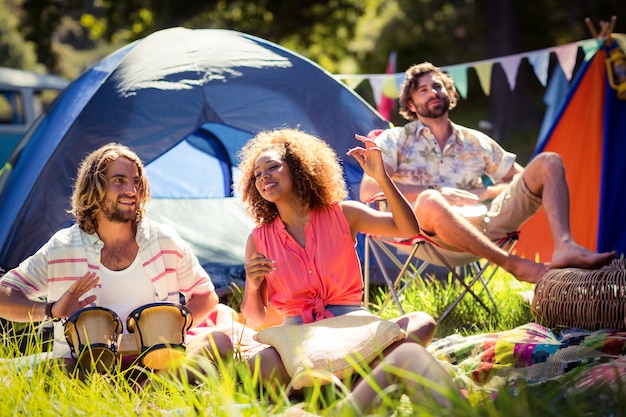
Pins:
<point x="369" y="158"/>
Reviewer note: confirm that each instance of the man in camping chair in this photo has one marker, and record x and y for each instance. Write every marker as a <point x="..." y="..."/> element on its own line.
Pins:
<point x="440" y="165"/>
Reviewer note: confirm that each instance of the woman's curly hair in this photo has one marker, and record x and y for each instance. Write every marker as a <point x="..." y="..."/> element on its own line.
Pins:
<point x="315" y="168"/>
<point x="91" y="186"/>
<point x="411" y="79"/>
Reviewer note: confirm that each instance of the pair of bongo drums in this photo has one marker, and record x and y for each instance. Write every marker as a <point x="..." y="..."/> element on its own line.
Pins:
<point x="93" y="334"/>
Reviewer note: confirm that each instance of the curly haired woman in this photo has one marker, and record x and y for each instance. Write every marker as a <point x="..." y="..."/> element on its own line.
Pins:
<point x="301" y="257"/>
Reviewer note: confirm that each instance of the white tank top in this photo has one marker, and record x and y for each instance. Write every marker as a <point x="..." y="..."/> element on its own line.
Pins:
<point x="123" y="291"/>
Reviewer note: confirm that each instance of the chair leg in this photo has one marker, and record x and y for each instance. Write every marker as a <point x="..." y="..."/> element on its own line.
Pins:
<point x="415" y="273"/>
<point x="370" y="247"/>
<point x="467" y="289"/>
<point x="390" y="285"/>
<point x="486" y="282"/>
<point x="404" y="274"/>
<point x="396" y="288"/>
<point x="458" y="299"/>
<point x="507" y="245"/>
<point x="366" y="273"/>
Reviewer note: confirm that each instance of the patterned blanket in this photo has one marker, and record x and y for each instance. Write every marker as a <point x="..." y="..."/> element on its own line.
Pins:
<point x="532" y="354"/>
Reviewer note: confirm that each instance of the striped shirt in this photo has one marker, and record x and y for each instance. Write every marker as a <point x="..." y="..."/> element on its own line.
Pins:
<point x="70" y="253"/>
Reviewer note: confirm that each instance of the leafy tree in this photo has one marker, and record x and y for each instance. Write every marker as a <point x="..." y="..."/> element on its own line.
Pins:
<point x="41" y="22"/>
<point x="353" y="36"/>
<point x="338" y="34"/>
<point x="15" y="52"/>
<point x="319" y="29"/>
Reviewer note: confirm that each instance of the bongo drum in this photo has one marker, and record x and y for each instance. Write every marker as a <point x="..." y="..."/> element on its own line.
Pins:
<point x="92" y="334"/>
<point x="160" y="330"/>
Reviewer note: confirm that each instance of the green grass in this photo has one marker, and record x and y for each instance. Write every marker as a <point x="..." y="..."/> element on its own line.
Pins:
<point x="433" y="296"/>
<point x="43" y="390"/>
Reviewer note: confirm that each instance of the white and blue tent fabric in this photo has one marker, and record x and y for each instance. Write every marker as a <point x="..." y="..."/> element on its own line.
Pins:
<point x="186" y="101"/>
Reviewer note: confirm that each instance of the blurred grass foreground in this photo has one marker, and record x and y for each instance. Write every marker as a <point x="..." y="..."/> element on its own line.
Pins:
<point x="31" y="385"/>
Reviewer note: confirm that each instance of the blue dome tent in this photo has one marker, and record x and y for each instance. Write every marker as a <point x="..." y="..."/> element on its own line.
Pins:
<point x="186" y="101"/>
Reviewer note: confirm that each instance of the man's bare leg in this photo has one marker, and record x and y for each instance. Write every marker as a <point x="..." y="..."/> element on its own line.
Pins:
<point x="436" y="217"/>
<point x="545" y="177"/>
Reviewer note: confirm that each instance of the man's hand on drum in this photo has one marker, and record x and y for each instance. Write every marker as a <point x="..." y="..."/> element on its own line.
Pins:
<point x="70" y="302"/>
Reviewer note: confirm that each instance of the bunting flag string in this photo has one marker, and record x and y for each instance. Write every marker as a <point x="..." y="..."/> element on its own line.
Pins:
<point x="388" y="85"/>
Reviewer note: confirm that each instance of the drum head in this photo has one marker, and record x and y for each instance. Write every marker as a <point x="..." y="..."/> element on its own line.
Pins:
<point x="93" y="325"/>
<point x="160" y="330"/>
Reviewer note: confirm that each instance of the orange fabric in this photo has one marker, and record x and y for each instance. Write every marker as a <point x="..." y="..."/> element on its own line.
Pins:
<point x="578" y="139"/>
<point x="272" y="318"/>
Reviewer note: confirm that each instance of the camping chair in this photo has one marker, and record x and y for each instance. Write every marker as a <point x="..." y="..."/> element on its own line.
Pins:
<point x="465" y="268"/>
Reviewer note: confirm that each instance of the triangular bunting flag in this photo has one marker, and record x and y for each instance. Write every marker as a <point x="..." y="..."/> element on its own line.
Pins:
<point x="510" y="65"/>
<point x="540" y="62"/>
<point x="484" y="76"/>
<point x="376" y="81"/>
<point x="390" y="90"/>
<point x="399" y="78"/>
<point x="590" y="47"/>
<point x="459" y="75"/>
<point x="352" y="83"/>
<point x="566" y="56"/>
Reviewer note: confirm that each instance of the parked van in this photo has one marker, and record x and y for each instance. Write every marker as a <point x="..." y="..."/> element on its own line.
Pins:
<point x="23" y="96"/>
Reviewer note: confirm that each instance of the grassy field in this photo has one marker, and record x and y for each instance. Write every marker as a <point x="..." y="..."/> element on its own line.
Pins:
<point x="433" y="295"/>
<point x="35" y="388"/>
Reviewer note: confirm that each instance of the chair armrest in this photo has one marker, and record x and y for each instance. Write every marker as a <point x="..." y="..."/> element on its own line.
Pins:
<point x="378" y="202"/>
<point x="376" y="197"/>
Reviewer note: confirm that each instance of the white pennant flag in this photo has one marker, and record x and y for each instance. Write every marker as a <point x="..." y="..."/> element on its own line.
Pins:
<point x="376" y="81"/>
<point x="510" y="65"/>
<point x="566" y="56"/>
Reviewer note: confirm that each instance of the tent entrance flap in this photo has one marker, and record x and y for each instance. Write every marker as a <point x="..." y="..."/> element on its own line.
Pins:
<point x="199" y="166"/>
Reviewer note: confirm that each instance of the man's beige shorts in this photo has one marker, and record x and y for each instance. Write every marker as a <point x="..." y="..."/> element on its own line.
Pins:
<point x="510" y="209"/>
<point x="505" y="215"/>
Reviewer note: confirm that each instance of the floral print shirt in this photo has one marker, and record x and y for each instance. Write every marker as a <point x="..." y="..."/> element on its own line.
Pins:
<point x="414" y="154"/>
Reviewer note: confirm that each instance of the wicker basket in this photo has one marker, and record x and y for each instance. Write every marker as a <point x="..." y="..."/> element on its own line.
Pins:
<point x="590" y="299"/>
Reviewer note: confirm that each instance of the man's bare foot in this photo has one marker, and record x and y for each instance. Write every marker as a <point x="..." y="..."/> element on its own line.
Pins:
<point x="529" y="271"/>
<point x="576" y="256"/>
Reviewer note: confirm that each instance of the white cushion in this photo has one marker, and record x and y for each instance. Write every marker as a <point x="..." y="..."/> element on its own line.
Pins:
<point x="326" y="345"/>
